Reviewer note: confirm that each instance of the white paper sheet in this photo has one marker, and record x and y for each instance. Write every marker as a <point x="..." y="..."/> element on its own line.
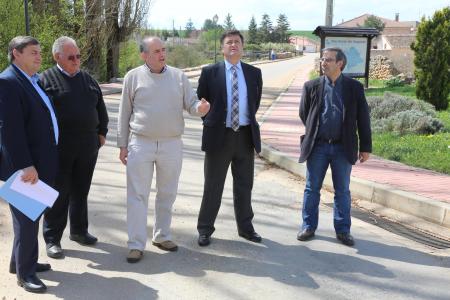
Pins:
<point x="40" y="191"/>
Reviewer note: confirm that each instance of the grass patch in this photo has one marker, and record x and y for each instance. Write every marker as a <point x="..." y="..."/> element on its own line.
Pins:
<point x="378" y="89"/>
<point x="424" y="151"/>
<point x="306" y="33"/>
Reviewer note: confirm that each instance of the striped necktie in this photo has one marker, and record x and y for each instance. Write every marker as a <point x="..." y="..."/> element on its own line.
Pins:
<point x="234" y="99"/>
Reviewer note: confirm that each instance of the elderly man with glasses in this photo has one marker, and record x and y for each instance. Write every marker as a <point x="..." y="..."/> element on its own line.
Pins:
<point x="83" y="122"/>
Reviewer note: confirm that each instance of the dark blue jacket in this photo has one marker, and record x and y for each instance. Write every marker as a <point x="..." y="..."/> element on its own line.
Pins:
<point x="26" y="129"/>
<point x="356" y="132"/>
<point x="213" y="87"/>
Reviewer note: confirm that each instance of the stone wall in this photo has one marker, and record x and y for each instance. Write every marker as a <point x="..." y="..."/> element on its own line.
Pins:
<point x="402" y="58"/>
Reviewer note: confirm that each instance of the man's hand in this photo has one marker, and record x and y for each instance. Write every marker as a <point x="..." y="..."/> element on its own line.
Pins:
<point x="101" y="140"/>
<point x="363" y="156"/>
<point x="123" y="155"/>
<point x="30" y="175"/>
<point x="203" y="107"/>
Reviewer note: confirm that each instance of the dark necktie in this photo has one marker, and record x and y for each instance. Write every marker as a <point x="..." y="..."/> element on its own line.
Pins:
<point x="234" y="100"/>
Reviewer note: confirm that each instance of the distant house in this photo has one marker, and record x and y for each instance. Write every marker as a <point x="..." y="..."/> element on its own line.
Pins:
<point x="394" y="41"/>
<point x="304" y="44"/>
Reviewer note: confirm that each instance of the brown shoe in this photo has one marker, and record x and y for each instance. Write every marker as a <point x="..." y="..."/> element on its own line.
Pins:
<point x="166" y="245"/>
<point x="134" y="256"/>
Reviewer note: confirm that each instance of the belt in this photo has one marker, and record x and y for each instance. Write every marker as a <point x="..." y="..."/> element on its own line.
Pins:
<point x="328" y="141"/>
<point x="240" y="128"/>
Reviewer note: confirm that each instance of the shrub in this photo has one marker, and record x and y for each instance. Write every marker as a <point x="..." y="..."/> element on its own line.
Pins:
<point x="402" y="115"/>
<point x="394" y="81"/>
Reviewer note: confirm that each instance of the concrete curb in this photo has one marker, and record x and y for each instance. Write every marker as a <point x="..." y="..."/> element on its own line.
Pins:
<point x="425" y="208"/>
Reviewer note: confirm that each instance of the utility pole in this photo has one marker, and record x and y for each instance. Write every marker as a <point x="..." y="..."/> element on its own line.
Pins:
<point x="329" y="13"/>
<point x="27" y="20"/>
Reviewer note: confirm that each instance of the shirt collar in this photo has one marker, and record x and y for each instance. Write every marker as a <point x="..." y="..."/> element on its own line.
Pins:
<point x="337" y="82"/>
<point x="65" y="73"/>
<point x="33" y="78"/>
<point x="228" y="65"/>
<point x="151" y="71"/>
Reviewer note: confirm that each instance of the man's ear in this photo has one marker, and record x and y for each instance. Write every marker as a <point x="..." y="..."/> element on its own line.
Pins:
<point x="143" y="55"/>
<point x="56" y="56"/>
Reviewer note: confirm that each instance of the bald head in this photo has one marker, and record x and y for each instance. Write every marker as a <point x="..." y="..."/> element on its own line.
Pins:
<point x="153" y="53"/>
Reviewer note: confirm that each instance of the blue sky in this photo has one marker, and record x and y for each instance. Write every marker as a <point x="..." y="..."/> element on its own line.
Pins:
<point x="302" y="14"/>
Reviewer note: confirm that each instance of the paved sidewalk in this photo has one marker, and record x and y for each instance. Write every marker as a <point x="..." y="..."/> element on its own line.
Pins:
<point x="420" y="192"/>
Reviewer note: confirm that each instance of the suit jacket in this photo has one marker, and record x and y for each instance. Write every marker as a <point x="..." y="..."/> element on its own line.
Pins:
<point x="212" y="87"/>
<point x="26" y="129"/>
<point x="356" y="123"/>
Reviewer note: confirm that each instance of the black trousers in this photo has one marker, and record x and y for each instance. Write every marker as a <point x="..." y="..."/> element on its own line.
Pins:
<point x="77" y="159"/>
<point x="25" y="248"/>
<point x="239" y="151"/>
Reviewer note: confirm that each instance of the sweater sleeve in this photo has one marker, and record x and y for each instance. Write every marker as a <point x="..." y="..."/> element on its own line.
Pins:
<point x="101" y="111"/>
<point x="190" y="101"/>
<point x="125" y="110"/>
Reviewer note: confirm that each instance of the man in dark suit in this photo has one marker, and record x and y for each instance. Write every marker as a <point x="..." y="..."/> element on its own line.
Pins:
<point x="230" y="135"/>
<point x="29" y="137"/>
<point x="83" y="123"/>
<point x="335" y="113"/>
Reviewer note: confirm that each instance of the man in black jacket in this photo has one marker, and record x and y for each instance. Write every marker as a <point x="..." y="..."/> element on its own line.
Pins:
<point x="83" y="121"/>
<point x="230" y="135"/>
<point x="335" y="113"/>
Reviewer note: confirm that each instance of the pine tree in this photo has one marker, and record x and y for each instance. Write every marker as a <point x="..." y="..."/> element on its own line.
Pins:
<point x="266" y="29"/>
<point x="432" y="59"/>
<point x="189" y="27"/>
<point x="253" y="32"/>
<point x="281" y="30"/>
<point x="228" y="24"/>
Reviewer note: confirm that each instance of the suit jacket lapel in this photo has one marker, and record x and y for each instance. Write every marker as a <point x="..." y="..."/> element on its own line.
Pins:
<point x="321" y="88"/>
<point x="222" y="83"/>
<point x="28" y="86"/>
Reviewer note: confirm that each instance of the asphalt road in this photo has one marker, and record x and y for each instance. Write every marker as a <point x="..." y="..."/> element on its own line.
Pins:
<point x="381" y="264"/>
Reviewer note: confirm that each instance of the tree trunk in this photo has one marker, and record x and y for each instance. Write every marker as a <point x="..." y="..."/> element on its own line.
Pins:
<point x="93" y="48"/>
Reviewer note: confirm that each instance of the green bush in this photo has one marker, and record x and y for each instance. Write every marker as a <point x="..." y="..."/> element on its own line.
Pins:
<point x="402" y="115"/>
<point x="182" y="56"/>
<point x="394" y="82"/>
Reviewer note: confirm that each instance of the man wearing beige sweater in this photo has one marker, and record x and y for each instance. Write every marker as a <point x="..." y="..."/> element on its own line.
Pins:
<point x="150" y="125"/>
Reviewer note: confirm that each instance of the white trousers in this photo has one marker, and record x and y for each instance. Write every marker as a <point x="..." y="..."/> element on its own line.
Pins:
<point x="144" y="155"/>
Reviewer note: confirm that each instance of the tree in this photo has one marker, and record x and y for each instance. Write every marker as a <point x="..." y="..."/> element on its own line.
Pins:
<point x="94" y="37"/>
<point x="189" y="27"/>
<point x="266" y="29"/>
<point x="281" y="30"/>
<point x="252" y="32"/>
<point x="11" y="14"/>
<point x="228" y="24"/>
<point x="432" y="59"/>
<point x="373" y="22"/>
<point x="208" y="24"/>
<point x="122" y="17"/>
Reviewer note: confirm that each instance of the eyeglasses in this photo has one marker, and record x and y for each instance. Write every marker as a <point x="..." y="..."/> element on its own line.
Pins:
<point x="328" y="60"/>
<point x="73" y="57"/>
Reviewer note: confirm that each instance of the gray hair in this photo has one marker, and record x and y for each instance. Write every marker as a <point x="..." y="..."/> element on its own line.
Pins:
<point x="340" y="55"/>
<point x="143" y="45"/>
<point x="19" y="43"/>
<point x="60" y="42"/>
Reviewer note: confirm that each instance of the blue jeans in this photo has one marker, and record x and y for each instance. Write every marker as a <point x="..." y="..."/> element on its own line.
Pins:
<point x="322" y="156"/>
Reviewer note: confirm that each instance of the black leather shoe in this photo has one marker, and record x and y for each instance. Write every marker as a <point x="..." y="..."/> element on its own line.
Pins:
<point x="305" y="235"/>
<point x="84" y="239"/>
<point x="32" y="284"/>
<point x="251" y="236"/>
<point x="54" y="250"/>
<point x="204" y="240"/>
<point x="39" y="268"/>
<point x="345" y="238"/>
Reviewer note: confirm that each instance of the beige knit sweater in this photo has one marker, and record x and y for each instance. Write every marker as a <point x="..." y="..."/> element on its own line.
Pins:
<point x="152" y="104"/>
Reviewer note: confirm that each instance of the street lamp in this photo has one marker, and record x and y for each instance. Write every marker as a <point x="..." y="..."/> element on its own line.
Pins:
<point x="215" y="19"/>
<point x="27" y="23"/>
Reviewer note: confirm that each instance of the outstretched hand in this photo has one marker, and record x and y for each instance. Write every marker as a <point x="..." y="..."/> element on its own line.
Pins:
<point x="203" y="107"/>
